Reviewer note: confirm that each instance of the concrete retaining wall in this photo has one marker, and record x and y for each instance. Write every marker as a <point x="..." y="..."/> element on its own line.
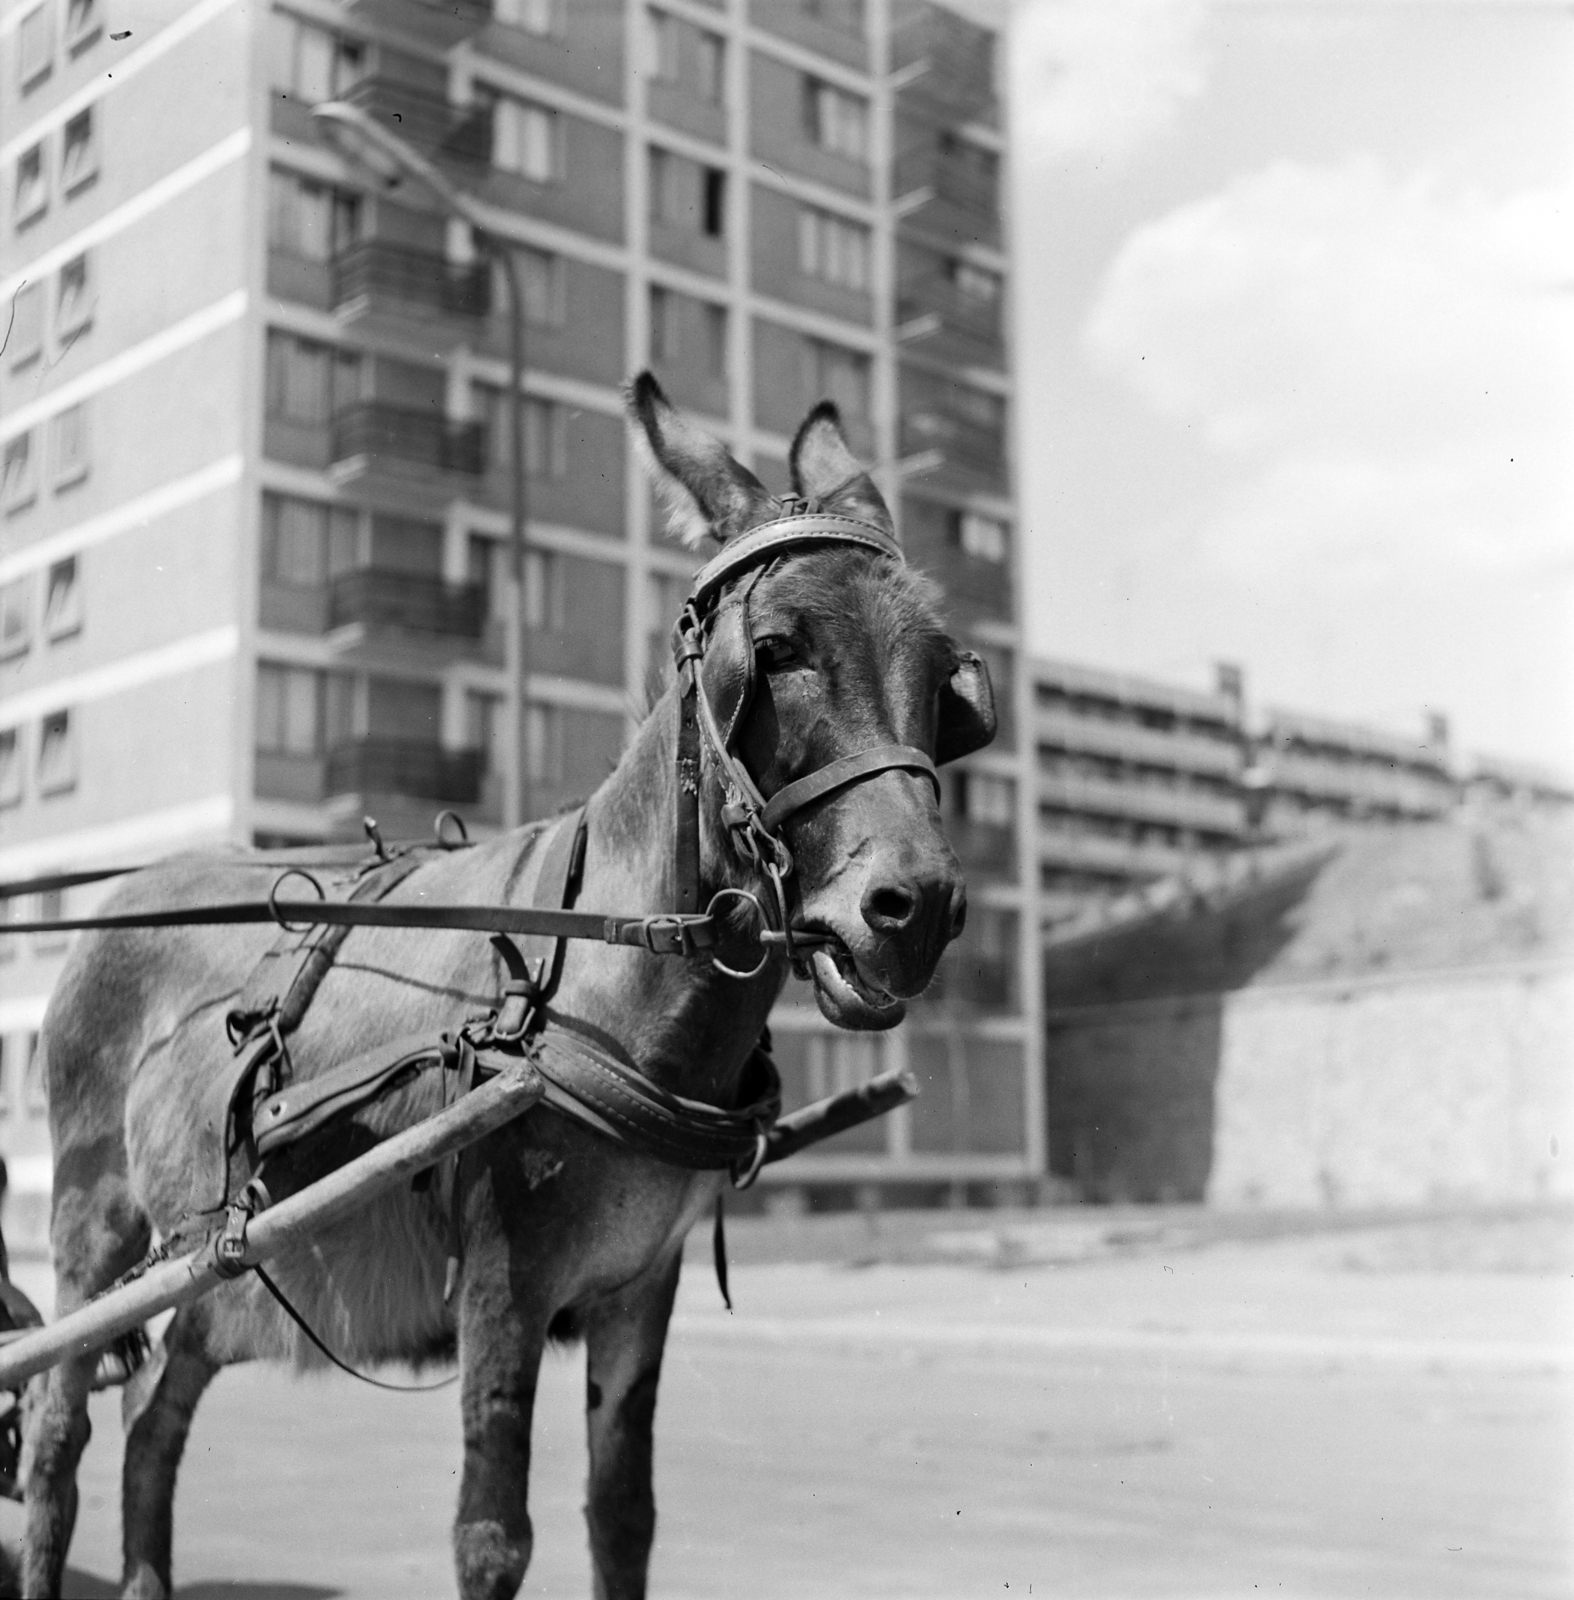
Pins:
<point x="1415" y="1088"/>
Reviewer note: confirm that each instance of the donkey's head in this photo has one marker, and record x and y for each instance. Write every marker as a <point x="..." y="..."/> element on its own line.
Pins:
<point x="813" y="656"/>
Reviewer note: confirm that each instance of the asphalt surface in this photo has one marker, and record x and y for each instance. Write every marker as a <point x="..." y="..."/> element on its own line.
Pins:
<point x="1069" y="1405"/>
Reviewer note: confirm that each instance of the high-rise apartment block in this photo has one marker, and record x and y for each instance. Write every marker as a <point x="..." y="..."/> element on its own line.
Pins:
<point x="254" y="564"/>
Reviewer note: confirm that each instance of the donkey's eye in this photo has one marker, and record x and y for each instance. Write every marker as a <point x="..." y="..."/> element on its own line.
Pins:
<point x="775" y="654"/>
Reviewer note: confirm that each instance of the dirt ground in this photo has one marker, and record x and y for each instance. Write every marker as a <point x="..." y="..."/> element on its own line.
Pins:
<point x="1116" y="1405"/>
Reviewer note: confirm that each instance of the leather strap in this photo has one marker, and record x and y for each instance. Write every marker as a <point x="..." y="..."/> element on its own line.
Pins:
<point x="601" y="1091"/>
<point x="838" y="774"/>
<point x="300" y="1109"/>
<point x="784" y="534"/>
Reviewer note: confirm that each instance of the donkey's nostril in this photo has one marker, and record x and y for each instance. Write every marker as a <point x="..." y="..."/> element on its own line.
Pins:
<point x="889" y="908"/>
<point x="958" y="911"/>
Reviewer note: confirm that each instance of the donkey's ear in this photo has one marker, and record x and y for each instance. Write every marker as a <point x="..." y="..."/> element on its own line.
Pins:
<point x="967" y="710"/>
<point x="704" y="492"/>
<point x="824" y="469"/>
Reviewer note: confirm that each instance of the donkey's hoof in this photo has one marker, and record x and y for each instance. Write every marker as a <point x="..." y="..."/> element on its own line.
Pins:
<point x="489" y="1564"/>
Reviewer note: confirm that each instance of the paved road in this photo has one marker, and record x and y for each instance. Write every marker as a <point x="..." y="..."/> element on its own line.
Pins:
<point x="1241" y="1419"/>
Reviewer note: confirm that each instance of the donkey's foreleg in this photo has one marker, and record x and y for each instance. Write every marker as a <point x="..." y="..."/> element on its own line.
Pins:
<point x="157" y="1407"/>
<point x="624" y="1338"/>
<point x="500" y="1345"/>
<point x="55" y="1431"/>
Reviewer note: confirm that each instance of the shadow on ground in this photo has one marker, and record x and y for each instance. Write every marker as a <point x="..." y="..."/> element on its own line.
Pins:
<point x="84" y="1586"/>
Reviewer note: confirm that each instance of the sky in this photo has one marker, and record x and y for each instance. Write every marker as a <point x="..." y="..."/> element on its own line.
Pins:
<point x="1295" y="340"/>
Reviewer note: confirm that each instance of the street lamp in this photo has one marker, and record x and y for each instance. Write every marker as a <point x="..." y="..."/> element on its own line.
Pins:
<point x="385" y="154"/>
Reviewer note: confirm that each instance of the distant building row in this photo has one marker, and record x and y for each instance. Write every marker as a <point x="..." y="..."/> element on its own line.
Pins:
<point x="1138" y="780"/>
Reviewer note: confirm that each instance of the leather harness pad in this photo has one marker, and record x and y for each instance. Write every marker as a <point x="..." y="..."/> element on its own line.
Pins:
<point x="301" y="1109"/>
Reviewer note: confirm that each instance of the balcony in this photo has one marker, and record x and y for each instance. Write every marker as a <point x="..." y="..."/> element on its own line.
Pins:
<point x="950" y="62"/>
<point x="387" y="437"/>
<point x="972" y="451"/>
<point x="431" y="122"/>
<point x="948" y="189"/>
<point x="376" y="272"/>
<point x="413" y="768"/>
<point x="377" y="599"/>
<point x="1129" y="741"/>
<point x="932" y="312"/>
<point x="442" y="23"/>
<point x="1163" y="804"/>
<point x="985" y="849"/>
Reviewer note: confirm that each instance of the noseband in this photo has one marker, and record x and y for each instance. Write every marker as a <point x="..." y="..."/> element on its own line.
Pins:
<point x="753" y="823"/>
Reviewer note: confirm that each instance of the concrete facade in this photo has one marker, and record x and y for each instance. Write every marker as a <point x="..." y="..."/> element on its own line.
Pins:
<point x="253" y="541"/>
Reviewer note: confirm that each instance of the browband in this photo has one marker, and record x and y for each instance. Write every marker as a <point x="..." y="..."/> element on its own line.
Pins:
<point x="786" y="533"/>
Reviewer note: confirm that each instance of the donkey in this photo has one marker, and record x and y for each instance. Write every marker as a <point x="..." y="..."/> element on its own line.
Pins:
<point x="566" y="1234"/>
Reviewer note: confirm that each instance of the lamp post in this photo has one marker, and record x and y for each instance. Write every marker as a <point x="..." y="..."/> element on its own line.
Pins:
<point x="367" y="142"/>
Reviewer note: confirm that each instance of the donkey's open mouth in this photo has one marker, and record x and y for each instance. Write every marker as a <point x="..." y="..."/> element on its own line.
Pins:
<point x="847" y="994"/>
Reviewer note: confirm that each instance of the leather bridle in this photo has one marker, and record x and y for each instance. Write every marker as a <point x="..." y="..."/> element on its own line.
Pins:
<point x="753" y="822"/>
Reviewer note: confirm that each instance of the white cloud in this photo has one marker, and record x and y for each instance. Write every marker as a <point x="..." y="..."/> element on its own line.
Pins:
<point x="1094" y="78"/>
<point x="1389" y="365"/>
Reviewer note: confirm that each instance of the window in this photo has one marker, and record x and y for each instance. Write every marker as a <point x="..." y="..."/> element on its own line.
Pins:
<point x="10" y="767"/>
<point x="683" y="194"/>
<point x="543" y="18"/>
<point x="35" y="1092"/>
<point x="27" y="324"/>
<point x="544" y="743"/>
<point x="312" y="220"/>
<point x="16" y="617"/>
<point x="666" y="47"/>
<point x="32" y="190"/>
<point x="988" y="799"/>
<point x="62" y="600"/>
<point x="291" y="709"/>
<point x="833" y="249"/>
<point x="19" y="483"/>
<point x="68" y="446"/>
<point x="835" y="120"/>
<point x="57" y="753"/>
<point x="83" y="23"/>
<point x="986" y="538"/>
<point x="833" y="373"/>
<point x="486" y="564"/>
<point x="664" y="341"/>
<point x="484" y="728"/>
<point x="540" y="286"/>
<point x="79" y="152"/>
<point x="546" y="437"/>
<point x="309" y="63"/>
<point x="304" y="542"/>
<point x="308" y="383"/>
<point x="35" y="46"/>
<point x="73" y="308"/>
<point x="712" y="68"/>
<point x="51" y="907"/>
<point x="713" y="202"/>
<point x="714" y="322"/>
<point x="525" y="139"/>
<point x="546" y="592"/>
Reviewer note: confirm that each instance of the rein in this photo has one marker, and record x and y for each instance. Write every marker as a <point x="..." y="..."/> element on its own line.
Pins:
<point x="753" y="823"/>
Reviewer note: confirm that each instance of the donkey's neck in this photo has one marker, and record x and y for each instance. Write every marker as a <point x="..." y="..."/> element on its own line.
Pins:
<point x="688" y="1025"/>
